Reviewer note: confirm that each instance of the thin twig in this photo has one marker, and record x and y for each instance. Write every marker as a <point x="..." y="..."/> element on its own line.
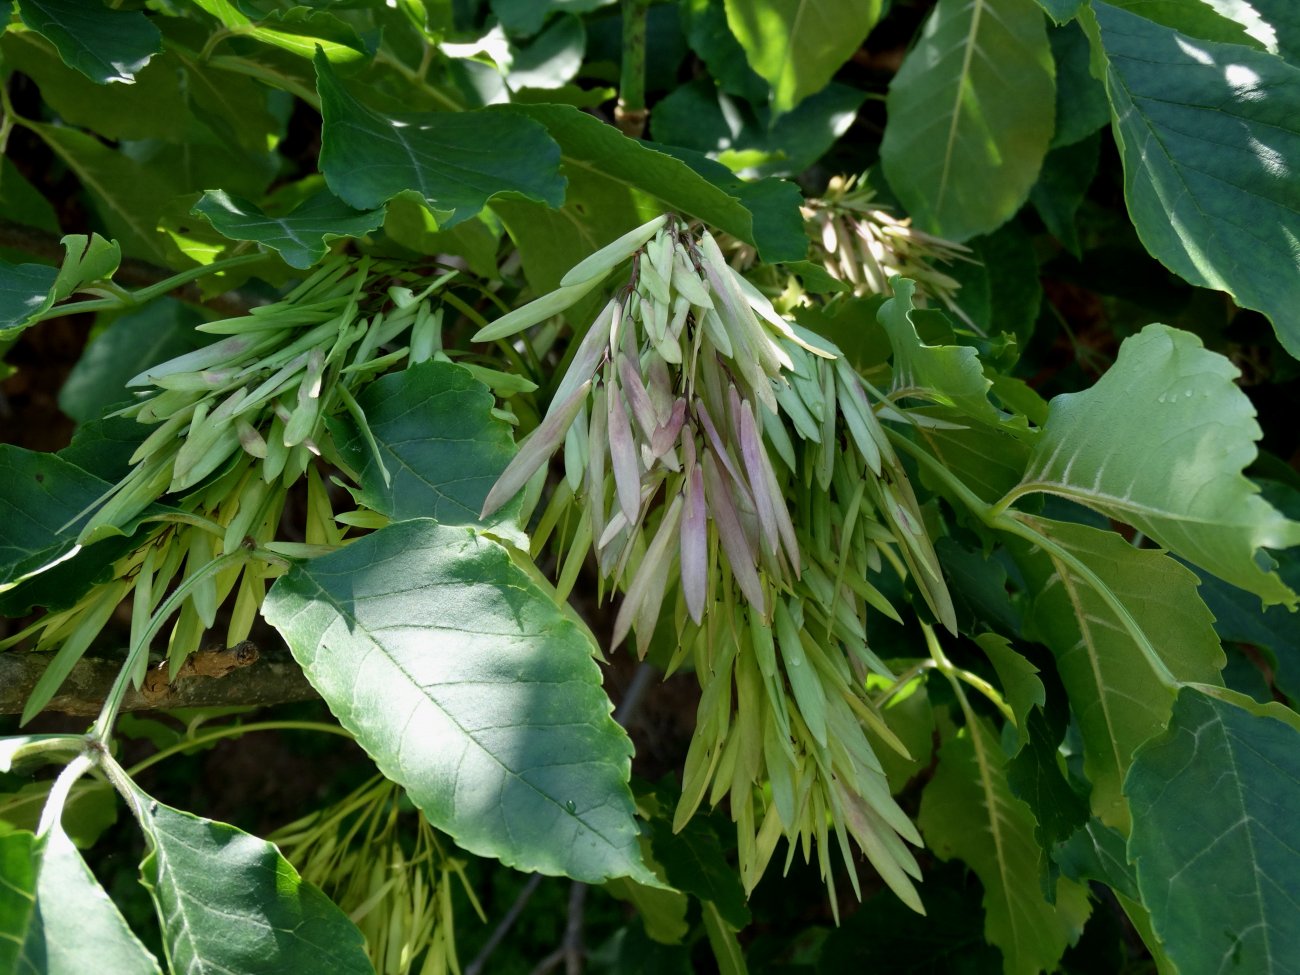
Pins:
<point x="507" y="922"/>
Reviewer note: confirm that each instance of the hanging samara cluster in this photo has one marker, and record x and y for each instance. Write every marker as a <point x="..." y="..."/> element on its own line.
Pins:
<point x="728" y="465"/>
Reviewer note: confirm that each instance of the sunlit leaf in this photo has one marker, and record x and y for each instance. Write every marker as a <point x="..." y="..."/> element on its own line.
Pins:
<point x="1159" y="442"/>
<point x="798" y="45"/>
<point x="228" y="901"/>
<point x="1209" y="138"/>
<point x="473" y="690"/>
<point x="970" y="115"/>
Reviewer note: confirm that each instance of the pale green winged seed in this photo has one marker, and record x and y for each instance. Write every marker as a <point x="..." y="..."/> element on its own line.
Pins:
<point x="537" y="310"/>
<point x="535" y="451"/>
<point x="593" y="268"/>
<point x="647" y="588"/>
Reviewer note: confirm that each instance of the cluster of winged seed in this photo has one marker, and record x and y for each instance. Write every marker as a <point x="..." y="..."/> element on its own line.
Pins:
<point x="662" y="414"/>
<point x="729" y="467"/>
<point x="865" y="246"/>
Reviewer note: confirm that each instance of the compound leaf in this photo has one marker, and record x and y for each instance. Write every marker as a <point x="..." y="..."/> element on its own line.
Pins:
<point x="473" y="690"/>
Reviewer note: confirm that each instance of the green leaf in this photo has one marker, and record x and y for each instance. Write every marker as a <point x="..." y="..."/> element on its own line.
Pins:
<point x="709" y="35"/>
<point x="698" y="116"/>
<point x="527" y="16"/>
<point x="1199" y="19"/>
<point x="947" y="374"/>
<point x="472" y="690"/>
<point x="970" y="116"/>
<point x="228" y="901"/>
<point x="439" y="442"/>
<point x="1037" y="776"/>
<point x="798" y="45"/>
<point x="1159" y="442"/>
<point x="455" y="161"/>
<point x="1062" y="10"/>
<point x="22" y="203"/>
<point x="616" y="183"/>
<point x="138" y="339"/>
<point x="968" y="811"/>
<point x="1117" y="696"/>
<point x="19" y="870"/>
<point x="411" y="225"/>
<point x="105" y="45"/>
<point x="551" y="59"/>
<point x="1000" y="289"/>
<point x="1097" y="852"/>
<point x="696" y="864"/>
<point x="722" y="939"/>
<point x="301" y="236"/>
<point x="1022" y="688"/>
<point x="26" y="291"/>
<point x="152" y="107"/>
<point x="1219" y="876"/>
<point x="1284" y="17"/>
<point x="43" y="494"/>
<point x="129" y="195"/>
<point x="1081" y="104"/>
<point x="1209" y="135"/>
<point x="1066" y="175"/>
<point x="55" y="918"/>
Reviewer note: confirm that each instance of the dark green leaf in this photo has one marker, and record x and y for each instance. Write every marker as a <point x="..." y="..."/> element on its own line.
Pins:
<point x="970" y="116"/>
<point x="1284" y="17"/>
<point x="473" y="690"/>
<point x="698" y="116"/>
<point x="150" y="108"/>
<point x="128" y="195"/>
<point x="1214" y="803"/>
<point x="438" y="440"/>
<point x="1081" y="105"/>
<point x="138" y="339"/>
<point x="1062" y="10"/>
<point x="616" y="183"/>
<point x="43" y="494"/>
<point x="527" y="16"/>
<point x="968" y="811"/>
<point x="229" y="902"/>
<point x="455" y="161"/>
<point x="1036" y="775"/>
<point x="26" y="290"/>
<point x="411" y="225"/>
<point x="798" y="45"/>
<point x="1097" y="852"/>
<point x="1209" y="137"/>
<point x="709" y="35"/>
<point x="696" y="864"/>
<point x="301" y="236"/>
<point x="1066" y="175"/>
<point x="22" y="203"/>
<point x="1201" y="19"/>
<point x="1000" y="289"/>
<point x="1022" y="688"/>
<point x="104" y="45"/>
<point x="1159" y="442"/>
